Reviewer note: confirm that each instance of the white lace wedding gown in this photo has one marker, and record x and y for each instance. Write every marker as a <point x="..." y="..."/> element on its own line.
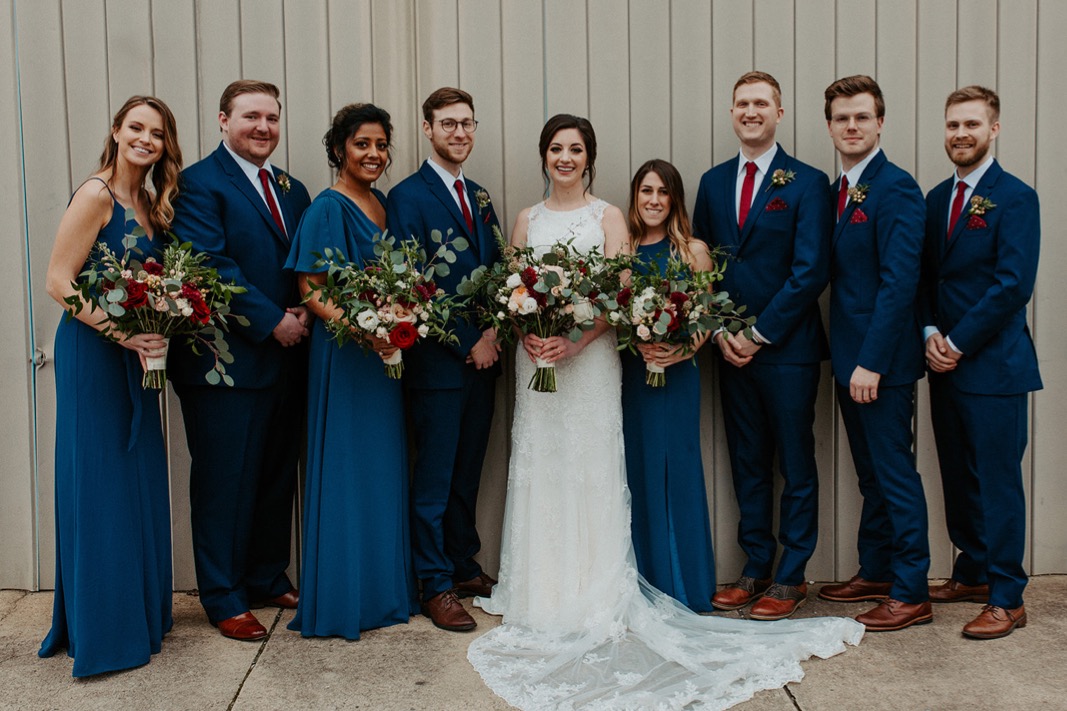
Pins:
<point x="581" y="628"/>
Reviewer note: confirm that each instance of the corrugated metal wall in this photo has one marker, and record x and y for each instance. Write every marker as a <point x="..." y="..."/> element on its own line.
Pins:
<point x="655" y="78"/>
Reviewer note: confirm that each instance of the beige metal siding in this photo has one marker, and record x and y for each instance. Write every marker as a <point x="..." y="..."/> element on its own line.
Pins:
<point x="654" y="76"/>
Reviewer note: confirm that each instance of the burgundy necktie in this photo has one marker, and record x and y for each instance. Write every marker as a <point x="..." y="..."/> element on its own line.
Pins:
<point x="458" y="185"/>
<point x="263" y="178"/>
<point x="842" y="196"/>
<point x="746" y="194"/>
<point x="957" y="208"/>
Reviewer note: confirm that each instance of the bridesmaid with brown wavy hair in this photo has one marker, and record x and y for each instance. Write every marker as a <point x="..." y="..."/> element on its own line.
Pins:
<point x="113" y="573"/>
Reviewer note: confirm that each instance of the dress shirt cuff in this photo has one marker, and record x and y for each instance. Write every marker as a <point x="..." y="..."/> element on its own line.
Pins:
<point x="948" y="340"/>
<point x="759" y="339"/>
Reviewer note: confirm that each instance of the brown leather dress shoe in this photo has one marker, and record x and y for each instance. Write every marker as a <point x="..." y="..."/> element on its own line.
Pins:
<point x="855" y="590"/>
<point x="779" y="602"/>
<point x="244" y="627"/>
<point x="955" y="591"/>
<point x="286" y="601"/>
<point x="740" y="593"/>
<point x="446" y="612"/>
<point x="482" y="586"/>
<point x="994" y="622"/>
<point x="891" y="615"/>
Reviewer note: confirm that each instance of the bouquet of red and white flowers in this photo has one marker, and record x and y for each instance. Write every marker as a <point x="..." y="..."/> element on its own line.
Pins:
<point x="673" y="306"/>
<point x="393" y="297"/>
<point x="178" y="296"/>
<point x="557" y="293"/>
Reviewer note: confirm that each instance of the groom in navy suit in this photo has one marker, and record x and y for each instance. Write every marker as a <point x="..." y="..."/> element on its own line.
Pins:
<point x="982" y="239"/>
<point x="451" y="388"/>
<point x="244" y="439"/>
<point x="770" y="212"/>
<point x="876" y="356"/>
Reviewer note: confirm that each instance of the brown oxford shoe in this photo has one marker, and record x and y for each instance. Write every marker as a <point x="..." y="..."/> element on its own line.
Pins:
<point x="855" y="590"/>
<point x="740" y="593"/>
<point x="244" y="627"/>
<point x="994" y="622"/>
<point x="286" y="601"/>
<point x="955" y="591"/>
<point x="481" y="586"/>
<point x="779" y="602"/>
<point x="891" y="615"/>
<point x="446" y="612"/>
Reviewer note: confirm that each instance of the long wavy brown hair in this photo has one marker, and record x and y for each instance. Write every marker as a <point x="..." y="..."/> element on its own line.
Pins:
<point x="166" y="170"/>
<point x="679" y="231"/>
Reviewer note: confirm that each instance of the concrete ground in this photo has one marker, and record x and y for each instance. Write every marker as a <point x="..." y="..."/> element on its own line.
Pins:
<point x="417" y="666"/>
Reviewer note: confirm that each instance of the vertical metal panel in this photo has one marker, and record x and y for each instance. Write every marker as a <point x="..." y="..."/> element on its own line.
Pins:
<point x="855" y="44"/>
<point x="129" y="42"/>
<point x="307" y="93"/>
<point x="394" y="78"/>
<point x="691" y="102"/>
<point x="351" y="53"/>
<point x="775" y="53"/>
<point x="566" y="39"/>
<point x="85" y="65"/>
<point x="524" y="102"/>
<point x="976" y="37"/>
<point x="732" y="54"/>
<point x="218" y="63"/>
<point x="623" y="120"/>
<point x="18" y="560"/>
<point x="1049" y="456"/>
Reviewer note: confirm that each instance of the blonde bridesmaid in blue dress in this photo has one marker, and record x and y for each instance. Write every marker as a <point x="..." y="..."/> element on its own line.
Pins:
<point x="356" y="569"/>
<point x="670" y="526"/>
<point x="112" y="602"/>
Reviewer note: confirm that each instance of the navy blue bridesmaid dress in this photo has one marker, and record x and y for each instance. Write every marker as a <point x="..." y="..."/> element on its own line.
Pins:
<point x="356" y="568"/>
<point x="112" y="602"/>
<point x="670" y="526"/>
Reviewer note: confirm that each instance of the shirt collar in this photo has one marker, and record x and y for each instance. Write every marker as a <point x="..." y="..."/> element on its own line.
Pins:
<point x="974" y="177"/>
<point x="248" y="167"/>
<point x="448" y="178"/>
<point x="763" y="162"/>
<point x="856" y="172"/>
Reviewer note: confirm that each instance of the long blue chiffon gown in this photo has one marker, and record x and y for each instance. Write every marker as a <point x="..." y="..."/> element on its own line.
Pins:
<point x="112" y="602"/>
<point x="670" y="526"/>
<point x="356" y="569"/>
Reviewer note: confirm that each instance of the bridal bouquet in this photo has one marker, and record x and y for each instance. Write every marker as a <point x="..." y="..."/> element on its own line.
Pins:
<point x="558" y="293"/>
<point x="178" y="296"/>
<point x="673" y="306"/>
<point x="392" y="297"/>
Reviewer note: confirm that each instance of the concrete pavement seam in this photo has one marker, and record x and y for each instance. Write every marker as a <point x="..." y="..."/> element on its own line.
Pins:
<point x="255" y="660"/>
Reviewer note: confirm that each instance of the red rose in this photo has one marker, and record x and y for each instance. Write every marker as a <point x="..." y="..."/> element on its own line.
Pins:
<point x="403" y="335"/>
<point x="191" y="293"/>
<point x="154" y="268"/>
<point x="529" y="277"/>
<point x="623" y="299"/>
<point x="678" y="298"/>
<point x="201" y="311"/>
<point x="136" y="295"/>
<point x="425" y="291"/>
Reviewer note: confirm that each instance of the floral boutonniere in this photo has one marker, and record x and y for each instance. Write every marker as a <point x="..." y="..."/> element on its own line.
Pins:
<point x="858" y="193"/>
<point x="980" y="205"/>
<point x="776" y="205"/>
<point x="283" y="182"/>
<point x="481" y="199"/>
<point x="780" y="178"/>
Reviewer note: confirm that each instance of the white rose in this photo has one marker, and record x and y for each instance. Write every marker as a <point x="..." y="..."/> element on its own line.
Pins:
<point x="513" y="307"/>
<point x="513" y="281"/>
<point x="583" y="311"/>
<point x="613" y="316"/>
<point x="381" y="332"/>
<point x="500" y="315"/>
<point x="529" y="305"/>
<point x="367" y="320"/>
<point x="643" y="333"/>
<point x="423" y="330"/>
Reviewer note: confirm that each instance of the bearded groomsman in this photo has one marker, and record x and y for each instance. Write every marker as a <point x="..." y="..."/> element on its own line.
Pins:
<point x="244" y="439"/>
<point x="451" y="388"/>
<point x="982" y="238"/>
<point x="771" y="213"/>
<point x="876" y="356"/>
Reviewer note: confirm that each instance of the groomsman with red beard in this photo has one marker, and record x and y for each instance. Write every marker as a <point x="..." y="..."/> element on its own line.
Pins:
<point x="979" y="265"/>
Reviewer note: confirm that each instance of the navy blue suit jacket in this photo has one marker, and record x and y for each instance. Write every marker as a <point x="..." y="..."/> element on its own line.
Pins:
<point x="976" y="284"/>
<point x="220" y="212"/>
<point x="877" y="252"/>
<point x="416" y="206"/>
<point x="779" y="263"/>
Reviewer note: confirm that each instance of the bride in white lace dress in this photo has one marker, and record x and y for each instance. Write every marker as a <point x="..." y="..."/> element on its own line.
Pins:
<point x="581" y="628"/>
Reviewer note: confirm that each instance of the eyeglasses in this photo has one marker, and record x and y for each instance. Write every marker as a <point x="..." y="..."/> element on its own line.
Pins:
<point x="450" y="125"/>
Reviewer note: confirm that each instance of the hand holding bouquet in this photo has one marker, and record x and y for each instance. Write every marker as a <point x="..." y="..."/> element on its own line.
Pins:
<point x="675" y="307"/>
<point x="178" y="296"/>
<point x="392" y="299"/>
<point x="558" y="293"/>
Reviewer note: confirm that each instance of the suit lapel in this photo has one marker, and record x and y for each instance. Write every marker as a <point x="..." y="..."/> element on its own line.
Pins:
<point x="727" y="201"/>
<point x="444" y="195"/>
<point x="870" y="173"/>
<point x="983" y="189"/>
<point x="245" y="187"/>
<point x="283" y="205"/>
<point x="759" y="201"/>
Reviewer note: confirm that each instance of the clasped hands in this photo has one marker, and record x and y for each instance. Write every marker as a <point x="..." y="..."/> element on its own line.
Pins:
<point x="293" y="327"/>
<point x="940" y="356"/>
<point x="145" y="345"/>
<point x="737" y="348"/>
<point x="551" y="349"/>
<point x="486" y="351"/>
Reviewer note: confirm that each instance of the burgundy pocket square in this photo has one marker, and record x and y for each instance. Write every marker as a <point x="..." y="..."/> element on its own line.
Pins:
<point x="858" y="216"/>
<point x="976" y="223"/>
<point x="776" y="205"/>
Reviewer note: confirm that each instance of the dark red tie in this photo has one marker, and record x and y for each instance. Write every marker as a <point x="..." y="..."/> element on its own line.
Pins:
<point x="458" y="185"/>
<point x="746" y="194"/>
<point x="842" y="196"/>
<point x="957" y="208"/>
<point x="265" y="179"/>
